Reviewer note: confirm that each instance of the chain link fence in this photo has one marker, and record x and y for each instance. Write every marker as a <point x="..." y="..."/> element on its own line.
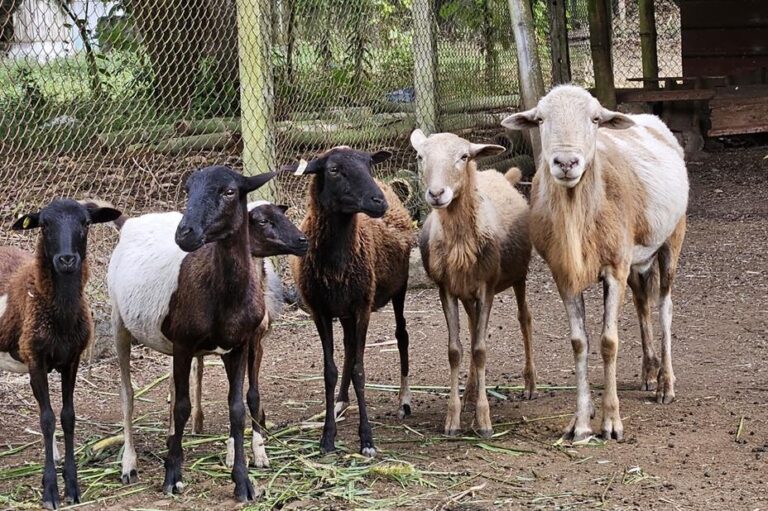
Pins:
<point x="120" y="100"/>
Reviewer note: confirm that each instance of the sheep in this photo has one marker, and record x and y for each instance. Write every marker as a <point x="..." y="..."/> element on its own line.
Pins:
<point x="204" y="298"/>
<point x="359" y="244"/>
<point x="45" y="321"/>
<point x="272" y="234"/>
<point x="474" y="244"/>
<point x="608" y="201"/>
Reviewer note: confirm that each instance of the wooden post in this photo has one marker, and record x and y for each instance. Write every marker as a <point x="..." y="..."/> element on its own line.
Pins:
<point x="558" y="42"/>
<point x="529" y="68"/>
<point x="647" y="13"/>
<point x="600" y="42"/>
<point x="425" y="65"/>
<point x="254" y="23"/>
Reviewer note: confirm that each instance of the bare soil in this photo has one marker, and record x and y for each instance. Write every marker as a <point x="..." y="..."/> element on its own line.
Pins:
<point x="707" y="450"/>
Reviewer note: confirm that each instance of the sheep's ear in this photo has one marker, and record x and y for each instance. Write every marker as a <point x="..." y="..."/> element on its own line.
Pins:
<point x="521" y="120"/>
<point x="282" y="207"/>
<point x="417" y="138"/>
<point x="255" y="182"/>
<point x="483" y="150"/>
<point x="30" y="221"/>
<point x="615" y="120"/>
<point x="102" y="215"/>
<point x="380" y="156"/>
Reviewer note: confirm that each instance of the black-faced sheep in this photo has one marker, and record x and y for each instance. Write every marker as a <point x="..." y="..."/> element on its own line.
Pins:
<point x="360" y="239"/>
<point x="45" y="321"/>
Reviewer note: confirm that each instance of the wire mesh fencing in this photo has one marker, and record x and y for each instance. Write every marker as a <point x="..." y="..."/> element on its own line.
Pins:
<point x="120" y="100"/>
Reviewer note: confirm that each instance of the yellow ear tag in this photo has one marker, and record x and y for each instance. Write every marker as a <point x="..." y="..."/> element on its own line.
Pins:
<point x="301" y="168"/>
<point x="27" y="221"/>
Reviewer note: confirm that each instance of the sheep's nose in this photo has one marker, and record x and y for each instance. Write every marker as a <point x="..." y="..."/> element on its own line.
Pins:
<point x="566" y="163"/>
<point x="435" y="194"/>
<point x="303" y="239"/>
<point x="183" y="232"/>
<point x="377" y="200"/>
<point x="66" y="261"/>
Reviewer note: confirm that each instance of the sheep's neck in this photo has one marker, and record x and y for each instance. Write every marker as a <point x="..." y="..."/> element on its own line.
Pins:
<point x="337" y="237"/>
<point x="462" y="234"/>
<point x="232" y="261"/>
<point x="63" y="293"/>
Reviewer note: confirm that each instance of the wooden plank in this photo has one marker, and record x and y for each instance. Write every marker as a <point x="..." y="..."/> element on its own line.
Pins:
<point x="731" y="115"/>
<point x="723" y="13"/>
<point x="731" y="65"/>
<point x="725" y="41"/>
<point x="743" y="94"/>
<point x="652" y="96"/>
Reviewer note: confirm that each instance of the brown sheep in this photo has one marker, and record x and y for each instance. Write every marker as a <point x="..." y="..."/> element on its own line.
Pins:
<point x="360" y="240"/>
<point x="608" y="202"/>
<point x="474" y="245"/>
<point x="45" y="321"/>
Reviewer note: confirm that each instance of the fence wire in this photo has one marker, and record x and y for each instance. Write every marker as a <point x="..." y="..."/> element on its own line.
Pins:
<point x="120" y="100"/>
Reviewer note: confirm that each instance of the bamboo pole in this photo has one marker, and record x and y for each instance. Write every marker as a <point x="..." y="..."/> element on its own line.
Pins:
<point x="531" y="82"/>
<point x="558" y="42"/>
<point x="425" y="65"/>
<point x="647" y="13"/>
<point x="600" y="43"/>
<point x="256" y="88"/>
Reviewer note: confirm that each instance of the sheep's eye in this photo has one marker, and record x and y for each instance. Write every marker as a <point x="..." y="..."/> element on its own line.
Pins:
<point x="419" y="157"/>
<point x="539" y="120"/>
<point x="263" y="222"/>
<point x="230" y="192"/>
<point x="596" y="120"/>
<point x="464" y="157"/>
<point x="333" y="170"/>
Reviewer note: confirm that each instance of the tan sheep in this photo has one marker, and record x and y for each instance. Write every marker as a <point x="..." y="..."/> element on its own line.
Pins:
<point x="474" y="245"/>
<point x="608" y="202"/>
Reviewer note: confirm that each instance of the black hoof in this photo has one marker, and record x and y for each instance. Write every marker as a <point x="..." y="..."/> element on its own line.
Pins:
<point x="406" y="410"/>
<point x="485" y="433"/>
<point x="130" y="478"/>
<point x="244" y="491"/>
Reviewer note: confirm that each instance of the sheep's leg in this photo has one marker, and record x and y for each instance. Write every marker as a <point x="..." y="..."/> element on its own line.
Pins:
<point x="196" y="394"/>
<point x="358" y="329"/>
<point x="68" y="377"/>
<point x="668" y="256"/>
<point x="330" y="376"/>
<point x="38" y="379"/>
<point x="451" y="310"/>
<point x="614" y="284"/>
<point x="171" y="401"/>
<point x="342" y="398"/>
<point x="469" y="399"/>
<point x="182" y="362"/>
<point x="401" y="334"/>
<point x="255" y="351"/>
<point x="123" y="348"/>
<point x="579" y="427"/>
<point x="641" y="285"/>
<point x="482" y="314"/>
<point x="524" y="318"/>
<point x="234" y="363"/>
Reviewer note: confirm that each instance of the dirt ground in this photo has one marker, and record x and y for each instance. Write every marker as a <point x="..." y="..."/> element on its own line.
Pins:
<point x="707" y="450"/>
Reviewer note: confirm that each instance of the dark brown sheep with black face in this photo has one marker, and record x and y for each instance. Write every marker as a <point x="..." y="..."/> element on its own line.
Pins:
<point x="360" y="240"/>
<point x="45" y="321"/>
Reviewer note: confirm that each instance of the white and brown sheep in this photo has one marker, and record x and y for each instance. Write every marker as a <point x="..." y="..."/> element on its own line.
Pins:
<point x="45" y="321"/>
<point x="360" y="238"/>
<point x="474" y="245"/>
<point x="204" y="298"/>
<point x="608" y="202"/>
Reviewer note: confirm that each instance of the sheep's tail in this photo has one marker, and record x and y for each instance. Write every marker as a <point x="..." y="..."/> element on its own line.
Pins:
<point x="97" y="203"/>
<point x="513" y="175"/>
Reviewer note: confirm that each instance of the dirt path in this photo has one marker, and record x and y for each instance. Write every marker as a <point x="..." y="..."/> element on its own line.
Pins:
<point x="682" y="456"/>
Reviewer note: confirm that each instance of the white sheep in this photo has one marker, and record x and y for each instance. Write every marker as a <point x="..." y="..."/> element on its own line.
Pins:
<point x="608" y="201"/>
<point x="474" y="245"/>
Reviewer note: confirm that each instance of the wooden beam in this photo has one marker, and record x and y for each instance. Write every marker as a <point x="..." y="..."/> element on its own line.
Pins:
<point x="254" y="25"/>
<point x="647" y="14"/>
<point x="558" y="42"/>
<point x="425" y="65"/>
<point x="531" y="82"/>
<point x="656" y="95"/>
<point x="600" y="43"/>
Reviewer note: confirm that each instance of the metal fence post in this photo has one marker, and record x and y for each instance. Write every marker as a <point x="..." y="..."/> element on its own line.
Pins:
<point x="256" y="88"/>
<point x="425" y="65"/>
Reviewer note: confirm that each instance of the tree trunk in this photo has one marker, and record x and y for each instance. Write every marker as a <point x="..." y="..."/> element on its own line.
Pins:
<point x="558" y="42"/>
<point x="531" y="82"/>
<point x="648" y="44"/>
<point x="425" y="65"/>
<point x="600" y="43"/>
<point x="172" y="31"/>
<point x="489" y="45"/>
